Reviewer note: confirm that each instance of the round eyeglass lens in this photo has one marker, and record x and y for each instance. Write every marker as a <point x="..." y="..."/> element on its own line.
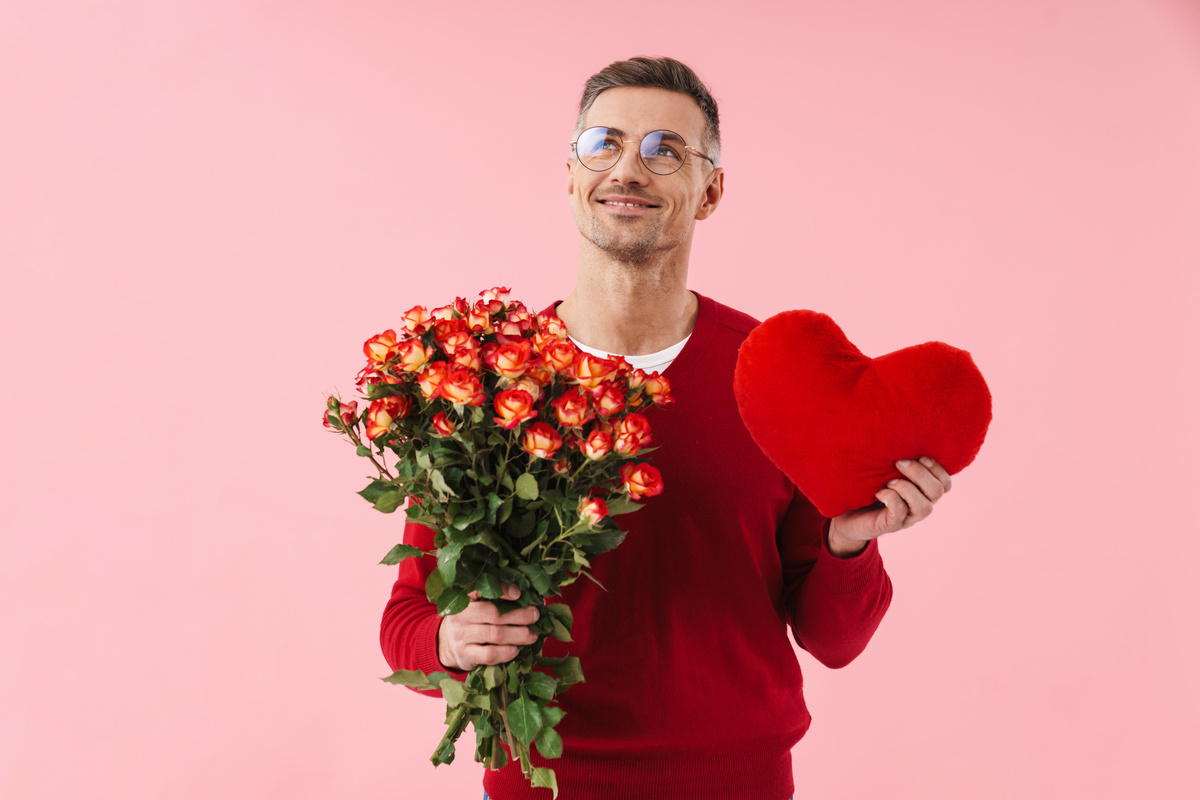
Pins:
<point x="598" y="148"/>
<point x="663" y="152"/>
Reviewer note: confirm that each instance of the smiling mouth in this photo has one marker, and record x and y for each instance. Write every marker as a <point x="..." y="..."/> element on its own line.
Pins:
<point x="627" y="205"/>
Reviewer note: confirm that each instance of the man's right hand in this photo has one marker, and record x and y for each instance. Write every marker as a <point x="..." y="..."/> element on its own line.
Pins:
<point x="479" y="634"/>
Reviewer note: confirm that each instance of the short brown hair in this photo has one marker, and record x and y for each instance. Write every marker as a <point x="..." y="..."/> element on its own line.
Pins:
<point x="656" y="73"/>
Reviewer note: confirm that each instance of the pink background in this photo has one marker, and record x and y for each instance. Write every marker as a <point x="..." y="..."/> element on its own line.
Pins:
<point x="206" y="207"/>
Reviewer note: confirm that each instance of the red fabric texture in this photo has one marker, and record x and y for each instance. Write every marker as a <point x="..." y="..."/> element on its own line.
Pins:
<point x="836" y="421"/>
<point x="693" y="689"/>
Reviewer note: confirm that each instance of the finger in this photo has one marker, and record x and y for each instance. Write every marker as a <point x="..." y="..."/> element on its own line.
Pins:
<point x="510" y="592"/>
<point x="896" y="510"/>
<point x="474" y="595"/>
<point x="919" y="506"/>
<point x="925" y="480"/>
<point x="489" y="654"/>
<point x="500" y="634"/>
<point x="520" y="616"/>
<point x="938" y="471"/>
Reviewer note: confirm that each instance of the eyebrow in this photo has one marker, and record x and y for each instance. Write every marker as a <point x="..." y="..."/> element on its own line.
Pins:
<point x="619" y="132"/>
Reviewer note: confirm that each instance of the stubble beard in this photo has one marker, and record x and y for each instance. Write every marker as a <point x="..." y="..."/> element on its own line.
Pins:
<point x="632" y="247"/>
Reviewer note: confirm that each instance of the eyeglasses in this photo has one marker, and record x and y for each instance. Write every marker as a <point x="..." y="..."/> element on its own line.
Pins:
<point x="662" y="152"/>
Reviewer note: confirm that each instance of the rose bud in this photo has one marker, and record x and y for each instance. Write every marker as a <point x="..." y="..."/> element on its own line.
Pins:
<point x="462" y="386"/>
<point x="642" y="480"/>
<point x="632" y="434"/>
<point x="384" y="411"/>
<point x="659" y="389"/>
<point x="366" y="376"/>
<point x="467" y="356"/>
<point x="513" y="406"/>
<point x="381" y="347"/>
<point x="495" y="293"/>
<point x="540" y="440"/>
<point x="560" y="356"/>
<point x="562" y="466"/>
<point x="443" y="424"/>
<point x="609" y="400"/>
<point x="510" y="360"/>
<point x="592" y="510"/>
<point x="597" y="445"/>
<point x="551" y="326"/>
<point x="573" y="409"/>
<point x="417" y="320"/>
<point x="461" y="306"/>
<point x="340" y="416"/>
<point x="529" y="384"/>
<point x="479" y="321"/>
<point x="452" y="341"/>
<point x="590" y="371"/>
<point x="432" y="378"/>
<point x="413" y="355"/>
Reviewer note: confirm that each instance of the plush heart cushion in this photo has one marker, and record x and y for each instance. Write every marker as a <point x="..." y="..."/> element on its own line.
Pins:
<point x="836" y="421"/>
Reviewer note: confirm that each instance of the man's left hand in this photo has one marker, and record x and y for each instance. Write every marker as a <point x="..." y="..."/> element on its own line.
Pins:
<point x="904" y="504"/>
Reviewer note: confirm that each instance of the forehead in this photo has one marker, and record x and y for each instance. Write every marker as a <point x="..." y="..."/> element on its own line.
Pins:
<point x="639" y="110"/>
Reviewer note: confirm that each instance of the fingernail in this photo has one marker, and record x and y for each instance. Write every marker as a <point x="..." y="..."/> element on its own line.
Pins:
<point x="903" y="462"/>
<point x="927" y="461"/>
<point x="893" y="481"/>
<point x="536" y="615"/>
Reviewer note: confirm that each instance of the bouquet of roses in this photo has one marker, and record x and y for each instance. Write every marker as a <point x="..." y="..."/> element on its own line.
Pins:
<point x="518" y="449"/>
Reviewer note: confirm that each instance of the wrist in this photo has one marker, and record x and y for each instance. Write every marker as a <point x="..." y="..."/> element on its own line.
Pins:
<point x="443" y="656"/>
<point x="841" y="546"/>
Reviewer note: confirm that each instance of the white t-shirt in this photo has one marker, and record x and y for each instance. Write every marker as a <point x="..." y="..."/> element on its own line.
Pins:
<point x="651" y="362"/>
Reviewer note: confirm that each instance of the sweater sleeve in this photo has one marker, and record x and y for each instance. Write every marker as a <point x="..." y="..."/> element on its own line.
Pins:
<point x="833" y="604"/>
<point x="408" y="633"/>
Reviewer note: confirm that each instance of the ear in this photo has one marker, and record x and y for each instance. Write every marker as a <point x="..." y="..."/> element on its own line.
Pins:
<point x="713" y="190"/>
<point x="570" y="177"/>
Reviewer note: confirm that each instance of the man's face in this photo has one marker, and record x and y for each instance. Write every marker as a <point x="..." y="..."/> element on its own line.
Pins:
<point x="665" y="207"/>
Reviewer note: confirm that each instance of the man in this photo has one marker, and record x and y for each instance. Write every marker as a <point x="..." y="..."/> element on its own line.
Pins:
<point x="693" y="689"/>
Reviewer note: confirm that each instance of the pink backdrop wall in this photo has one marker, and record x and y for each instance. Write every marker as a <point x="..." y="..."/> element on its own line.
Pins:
<point x="206" y="207"/>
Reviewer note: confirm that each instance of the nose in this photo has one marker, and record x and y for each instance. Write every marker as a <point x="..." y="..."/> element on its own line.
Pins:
<point x="629" y="168"/>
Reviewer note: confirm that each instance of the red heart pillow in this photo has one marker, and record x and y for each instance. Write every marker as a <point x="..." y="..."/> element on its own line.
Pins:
<point x="836" y="421"/>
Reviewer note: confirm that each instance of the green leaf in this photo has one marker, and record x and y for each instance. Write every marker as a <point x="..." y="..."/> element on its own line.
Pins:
<point x="374" y="490"/>
<point x="438" y="482"/>
<point x="401" y="552"/>
<point x="538" y="577"/>
<point x="506" y="481"/>
<point x="560" y="615"/>
<point x="524" y="719"/>
<point x="493" y="676"/>
<point x="527" y="487"/>
<point x="453" y="691"/>
<point x="363" y="450"/>
<point x="483" y="726"/>
<point x="541" y="685"/>
<point x="568" y="672"/>
<point x="489" y="586"/>
<point x="549" y="743"/>
<point x="410" y="677"/>
<point x="423" y="460"/>
<point x="543" y="777"/>
<point x="452" y="602"/>
<point x="390" y="501"/>
<point x="448" y="561"/>
<point x="505" y="511"/>
<point x="622" y="505"/>
<point x="434" y="586"/>
<point x="551" y="716"/>
<point x="602" y="541"/>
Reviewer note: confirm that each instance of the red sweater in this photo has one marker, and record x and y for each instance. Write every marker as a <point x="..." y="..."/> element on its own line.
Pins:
<point x="693" y="690"/>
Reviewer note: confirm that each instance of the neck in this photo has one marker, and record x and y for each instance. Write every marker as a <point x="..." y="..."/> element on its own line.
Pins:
<point x="630" y="308"/>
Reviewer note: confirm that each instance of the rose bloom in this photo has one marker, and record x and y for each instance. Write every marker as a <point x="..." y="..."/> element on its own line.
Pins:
<point x="592" y="510"/>
<point x="560" y="356"/>
<point x="573" y="409"/>
<point x="489" y="306"/>
<point x="510" y="360"/>
<point x="597" y="445"/>
<point x="522" y="318"/>
<point x="417" y="320"/>
<point x="432" y="378"/>
<point x="479" y="321"/>
<point x="509" y="332"/>
<point x="381" y="347"/>
<point x="495" y="293"/>
<point x="659" y="389"/>
<point x="443" y="313"/>
<point x="462" y="386"/>
<point x="590" y="371"/>
<point x="443" y="328"/>
<point x="443" y="424"/>
<point x="527" y="383"/>
<point x="384" y="411"/>
<point x="461" y="306"/>
<point x="609" y="399"/>
<point x="413" y="355"/>
<point x="642" y="480"/>
<point x="540" y="440"/>
<point x="452" y="341"/>
<point x="513" y="406"/>
<point x="344" y="413"/>
<point x="467" y="356"/>
<point x="632" y="434"/>
<point x="551" y="326"/>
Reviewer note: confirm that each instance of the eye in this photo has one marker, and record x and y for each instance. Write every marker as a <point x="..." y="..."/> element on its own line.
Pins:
<point x="598" y="143"/>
